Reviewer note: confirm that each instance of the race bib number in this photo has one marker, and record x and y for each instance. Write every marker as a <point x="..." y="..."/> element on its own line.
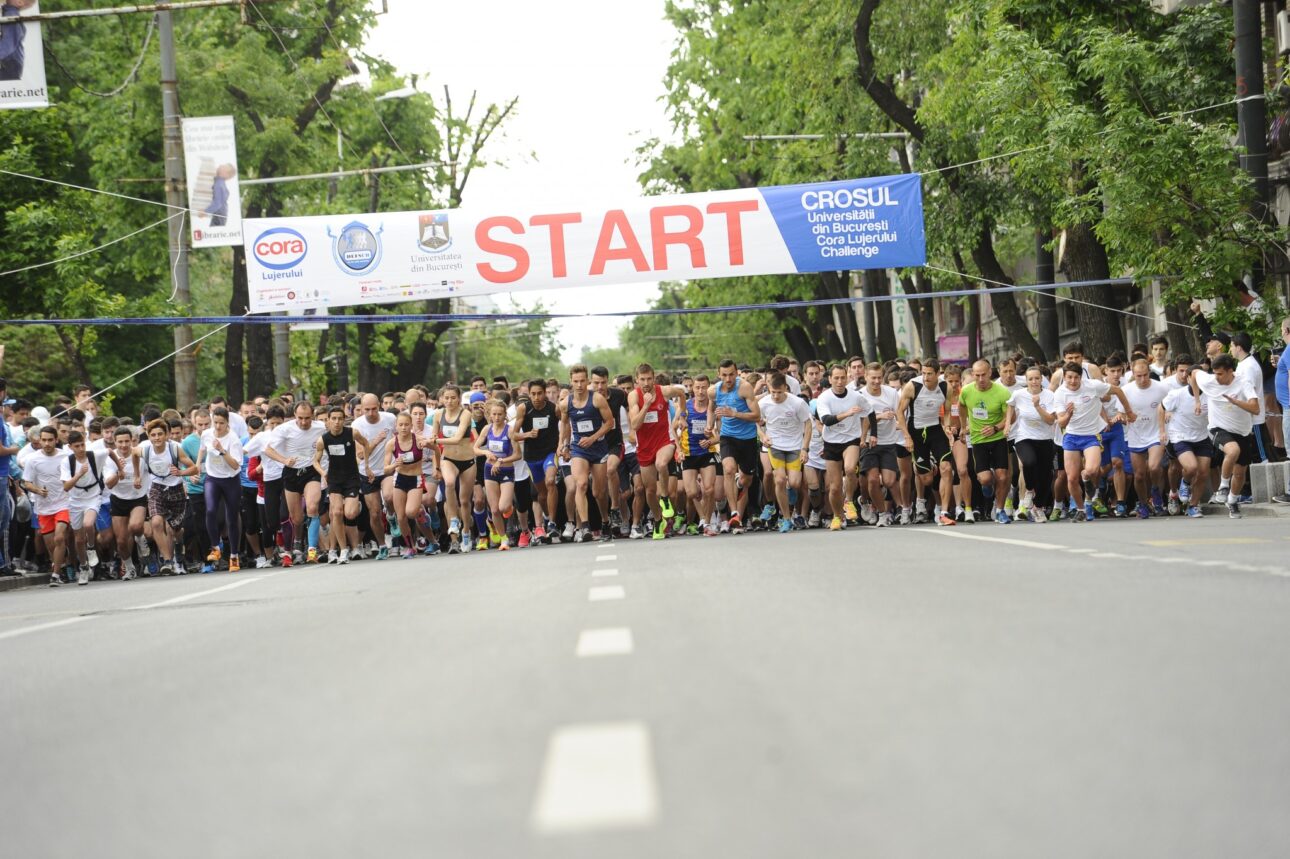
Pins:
<point x="406" y="456"/>
<point x="954" y="411"/>
<point x="336" y="449"/>
<point x="495" y="446"/>
<point x="449" y="430"/>
<point x="699" y="427"/>
<point x="651" y="417"/>
<point x="981" y="413"/>
<point x="541" y="423"/>
<point x="585" y="427"/>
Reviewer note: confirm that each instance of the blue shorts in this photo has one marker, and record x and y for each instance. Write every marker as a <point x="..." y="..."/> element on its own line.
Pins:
<point x="1080" y="443"/>
<point x="598" y="453"/>
<point x="1141" y="451"/>
<point x="104" y="520"/>
<point x="539" y="467"/>
<point x="1203" y="449"/>
<point x="1113" y="444"/>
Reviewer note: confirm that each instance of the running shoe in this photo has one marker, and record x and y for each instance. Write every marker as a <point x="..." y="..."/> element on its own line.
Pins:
<point x="1220" y="497"/>
<point x="145" y="550"/>
<point x="263" y="563"/>
<point x="431" y="549"/>
<point x="636" y="533"/>
<point x="945" y="520"/>
<point x="1099" y="506"/>
<point x="344" y="556"/>
<point x="579" y="535"/>
<point x="921" y="516"/>
<point x="1120" y="510"/>
<point x="1184" y="492"/>
<point x="692" y="530"/>
<point x="814" y="520"/>
<point x="785" y="526"/>
<point x="466" y="545"/>
<point x="1281" y="498"/>
<point x="568" y="530"/>
<point x="1037" y="515"/>
<point x="504" y="545"/>
<point x="1002" y="517"/>
<point x="1089" y="511"/>
<point x="836" y="524"/>
<point x="768" y="512"/>
<point x="615" y="518"/>
<point x="208" y="568"/>
<point x="849" y="511"/>
<point x="1055" y="514"/>
<point x="539" y="534"/>
<point x="1144" y="512"/>
<point x="332" y="557"/>
<point x="665" y="507"/>
<point x="454" y="527"/>
<point x="969" y="516"/>
<point x="525" y="541"/>
<point x="128" y="573"/>
<point x="1234" y="510"/>
<point x="384" y="553"/>
<point x="213" y="557"/>
<point x="660" y="531"/>
<point x="395" y="532"/>
<point x="735" y="525"/>
<point x="607" y="536"/>
<point x="905" y="517"/>
<point x="154" y="567"/>
<point x="1157" y="509"/>
<point x="884" y="519"/>
<point x="407" y="553"/>
<point x="83" y="575"/>
<point x="1193" y="512"/>
<point x="1174" y="507"/>
<point x="312" y="555"/>
<point x="481" y="545"/>
<point x="493" y="537"/>
<point x="234" y="564"/>
<point x="799" y="523"/>
<point x="869" y="515"/>
<point x="286" y="559"/>
<point x="1240" y="499"/>
<point x="55" y="580"/>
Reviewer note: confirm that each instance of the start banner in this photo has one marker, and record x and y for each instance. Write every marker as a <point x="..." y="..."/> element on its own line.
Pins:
<point x="392" y="257"/>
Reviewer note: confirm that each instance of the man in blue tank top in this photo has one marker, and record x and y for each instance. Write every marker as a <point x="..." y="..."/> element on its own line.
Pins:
<point x="736" y="409"/>
<point x="585" y="420"/>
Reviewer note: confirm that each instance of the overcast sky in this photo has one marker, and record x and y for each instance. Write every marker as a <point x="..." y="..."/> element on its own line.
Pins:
<point x="588" y="75"/>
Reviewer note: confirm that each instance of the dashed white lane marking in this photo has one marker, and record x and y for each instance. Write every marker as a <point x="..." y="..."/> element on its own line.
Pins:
<point x="1082" y="551"/>
<point x="600" y="558"/>
<point x="595" y="777"/>
<point x="187" y="597"/>
<point x="54" y="624"/>
<point x="605" y="572"/>
<point x="606" y="592"/>
<point x="612" y="641"/>
<point x="1030" y="544"/>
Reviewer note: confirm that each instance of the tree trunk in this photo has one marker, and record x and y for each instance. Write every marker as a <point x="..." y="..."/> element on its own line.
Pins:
<point x="340" y="336"/>
<point x="1004" y="303"/>
<point x="1182" y="340"/>
<point x="836" y="284"/>
<point x="973" y="328"/>
<point x="234" y="369"/>
<point x="922" y="311"/>
<point x="800" y="345"/>
<point x="1085" y="259"/>
<point x="883" y="310"/>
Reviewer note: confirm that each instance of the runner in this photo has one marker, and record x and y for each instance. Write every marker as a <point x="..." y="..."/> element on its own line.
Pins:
<point x="537" y="425"/>
<point x="220" y="460"/>
<point x="292" y="444"/>
<point x="879" y="462"/>
<point x="648" y="416"/>
<point x="585" y="420"/>
<point x="456" y="441"/>
<point x="500" y="450"/>
<point x="985" y="402"/>
<point x="404" y="455"/>
<point x="1187" y="431"/>
<point x="925" y="400"/>
<point x="1030" y="413"/>
<point x="787" y="421"/>
<point x="1079" y="413"/>
<point x="738" y="412"/>
<point x="698" y="463"/>
<point x="83" y="483"/>
<point x="1116" y="462"/>
<point x="377" y="428"/>
<point x="167" y="464"/>
<point x="1232" y="407"/>
<point x="1146" y="438"/>
<point x="340" y="445"/>
<point x="843" y="412"/>
<point x="127" y="483"/>
<point x="617" y="399"/>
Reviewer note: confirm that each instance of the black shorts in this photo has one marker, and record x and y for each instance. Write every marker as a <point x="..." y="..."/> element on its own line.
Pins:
<point x="990" y="456"/>
<point x="628" y="467"/>
<point x="122" y="507"/>
<point x="931" y="448"/>
<point x="833" y="450"/>
<point x="407" y="482"/>
<point x="746" y="452"/>
<point x="696" y="463"/>
<point x="881" y="456"/>
<point x="344" y="487"/>
<point x="296" y="479"/>
<point x="1203" y="449"/>
<point x="674" y="469"/>
<point x="370" y="487"/>
<point x="1249" y="448"/>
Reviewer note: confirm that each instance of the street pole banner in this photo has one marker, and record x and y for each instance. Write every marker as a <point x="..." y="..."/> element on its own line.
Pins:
<point x="214" y="198"/>
<point x="393" y="257"/>
<point x="22" y="58"/>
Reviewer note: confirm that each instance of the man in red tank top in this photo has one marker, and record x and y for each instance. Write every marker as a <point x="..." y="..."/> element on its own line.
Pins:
<point x="648" y="414"/>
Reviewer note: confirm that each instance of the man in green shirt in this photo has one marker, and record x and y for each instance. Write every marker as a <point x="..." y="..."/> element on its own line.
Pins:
<point x="985" y="402"/>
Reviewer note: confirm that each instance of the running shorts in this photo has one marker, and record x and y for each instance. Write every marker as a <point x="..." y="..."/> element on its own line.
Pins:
<point x="789" y="460"/>
<point x="744" y="451"/>
<point x="931" y="448"/>
<point x="1081" y="443"/>
<point x="123" y="507"/>
<point x="990" y="455"/>
<point x="881" y="456"/>
<point x="1203" y="449"/>
<point x="833" y="450"/>
<point x="296" y="479"/>
<point x="1249" y="449"/>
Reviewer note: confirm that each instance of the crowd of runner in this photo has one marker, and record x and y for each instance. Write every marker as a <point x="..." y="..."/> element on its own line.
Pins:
<point x="494" y="466"/>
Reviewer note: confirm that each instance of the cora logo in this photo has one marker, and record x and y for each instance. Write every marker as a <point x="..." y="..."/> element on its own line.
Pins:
<point x="280" y="248"/>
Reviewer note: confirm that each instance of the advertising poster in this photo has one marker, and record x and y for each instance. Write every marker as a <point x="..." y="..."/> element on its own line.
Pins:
<point x="22" y="58"/>
<point x="214" y="200"/>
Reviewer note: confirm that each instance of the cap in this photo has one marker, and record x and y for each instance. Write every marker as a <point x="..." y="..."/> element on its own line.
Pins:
<point x="8" y="402"/>
<point x="41" y="414"/>
<point x="476" y="397"/>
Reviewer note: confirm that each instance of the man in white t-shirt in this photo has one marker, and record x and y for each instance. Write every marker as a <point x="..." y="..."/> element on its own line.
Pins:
<point x="787" y="435"/>
<point x="1146" y="437"/>
<point x="842" y="411"/>
<point x="879" y="460"/>
<point x="82" y="476"/>
<point x="41" y="476"/>
<point x="1078" y="404"/>
<point x="377" y="427"/>
<point x="1247" y="368"/>
<point x="1232" y="407"/>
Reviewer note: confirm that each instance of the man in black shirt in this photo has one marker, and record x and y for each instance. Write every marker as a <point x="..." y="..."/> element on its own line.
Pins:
<point x="617" y="399"/>
<point x="538" y="426"/>
<point x="338" y="444"/>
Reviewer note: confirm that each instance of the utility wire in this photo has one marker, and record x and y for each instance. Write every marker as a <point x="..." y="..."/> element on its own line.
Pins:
<point x="129" y="78"/>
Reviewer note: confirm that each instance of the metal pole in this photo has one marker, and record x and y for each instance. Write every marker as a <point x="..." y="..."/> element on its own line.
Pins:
<point x="173" y="149"/>
<point x="1047" y="301"/>
<point x="452" y="343"/>
<point x="1251" y="110"/>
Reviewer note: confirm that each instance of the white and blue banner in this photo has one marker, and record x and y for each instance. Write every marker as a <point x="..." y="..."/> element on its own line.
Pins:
<point x="392" y="257"/>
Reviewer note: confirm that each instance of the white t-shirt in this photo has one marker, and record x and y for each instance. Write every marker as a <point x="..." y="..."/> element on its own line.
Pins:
<point x="794" y="386"/>
<point x="1145" y="431"/>
<point x="216" y="466"/>
<point x="270" y="469"/>
<point x="927" y="405"/>
<point x="784" y="421"/>
<point x="887" y="399"/>
<point x="1222" y="414"/>
<point x="1248" y="369"/>
<point x="290" y="440"/>
<point x="237" y="424"/>
<point x="124" y="488"/>
<point x="369" y="431"/>
<point x="46" y="472"/>
<point x="1087" y="398"/>
<point x="1184" y="424"/>
<point x="158" y="464"/>
<point x="848" y="429"/>
<point x="85" y="492"/>
<point x="1029" y="425"/>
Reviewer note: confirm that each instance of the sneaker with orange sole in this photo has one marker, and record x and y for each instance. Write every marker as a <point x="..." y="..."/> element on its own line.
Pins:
<point x="234" y="563"/>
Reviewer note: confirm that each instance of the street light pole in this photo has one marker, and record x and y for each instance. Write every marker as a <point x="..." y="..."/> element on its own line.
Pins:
<point x="173" y="150"/>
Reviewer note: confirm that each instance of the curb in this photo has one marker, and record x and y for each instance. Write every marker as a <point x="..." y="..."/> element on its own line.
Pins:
<point x="25" y="580"/>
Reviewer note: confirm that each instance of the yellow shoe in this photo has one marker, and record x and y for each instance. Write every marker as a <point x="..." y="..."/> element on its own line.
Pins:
<point x="234" y="563"/>
<point x="213" y="557"/>
<point x="312" y="556"/>
<point x="836" y="524"/>
<point x="849" y="511"/>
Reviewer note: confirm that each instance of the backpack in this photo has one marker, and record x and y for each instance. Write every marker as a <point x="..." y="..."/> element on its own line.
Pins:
<point x="94" y="466"/>
<point x="170" y="448"/>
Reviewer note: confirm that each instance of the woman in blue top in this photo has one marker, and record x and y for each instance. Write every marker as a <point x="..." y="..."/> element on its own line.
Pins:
<point x="500" y="450"/>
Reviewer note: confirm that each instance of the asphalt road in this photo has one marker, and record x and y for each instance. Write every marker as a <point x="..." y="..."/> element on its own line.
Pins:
<point x="1106" y="689"/>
